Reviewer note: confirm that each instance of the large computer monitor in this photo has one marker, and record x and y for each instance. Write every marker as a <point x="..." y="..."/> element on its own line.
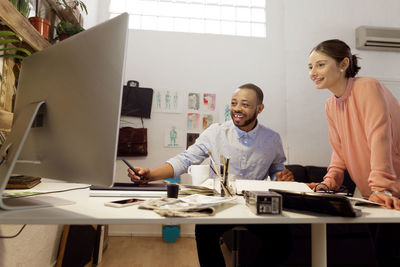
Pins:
<point x="74" y="91"/>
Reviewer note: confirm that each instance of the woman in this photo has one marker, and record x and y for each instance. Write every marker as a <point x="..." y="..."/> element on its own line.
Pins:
<point x="364" y="125"/>
<point x="364" y="132"/>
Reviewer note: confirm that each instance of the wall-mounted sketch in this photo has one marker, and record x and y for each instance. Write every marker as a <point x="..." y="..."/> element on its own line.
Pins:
<point x="174" y="137"/>
<point x="193" y="122"/>
<point x="227" y="113"/>
<point x="208" y="119"/>
<point x="168" y="101"/>
<point x="209" y="102"/>
<point x="191" y="139"/>
<point x="194" y="101"/>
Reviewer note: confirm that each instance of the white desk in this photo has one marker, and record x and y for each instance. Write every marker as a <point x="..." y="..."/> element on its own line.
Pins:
<point x="91" y="210"/>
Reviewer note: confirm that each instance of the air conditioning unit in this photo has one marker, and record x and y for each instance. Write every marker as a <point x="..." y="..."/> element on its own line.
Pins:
<point x="378" y="38"/>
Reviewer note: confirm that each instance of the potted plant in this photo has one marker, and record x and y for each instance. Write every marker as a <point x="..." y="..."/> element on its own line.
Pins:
<point x="9" y="37"/>
<point x="73" y="4"/>
<point x="22" y="6"/>
<point x="41" y="24"/>
<point x="66" y="29"/>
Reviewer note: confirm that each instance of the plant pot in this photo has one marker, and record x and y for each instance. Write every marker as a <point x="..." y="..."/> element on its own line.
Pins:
<point x="63" y="36"/>
<point x="41" y="25"/>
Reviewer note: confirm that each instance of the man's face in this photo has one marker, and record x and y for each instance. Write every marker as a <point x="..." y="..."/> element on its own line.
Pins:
<point x="245" y="108"/>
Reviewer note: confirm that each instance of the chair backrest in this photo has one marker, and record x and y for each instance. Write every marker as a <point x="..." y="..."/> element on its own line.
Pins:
<point x="315" y="174"/>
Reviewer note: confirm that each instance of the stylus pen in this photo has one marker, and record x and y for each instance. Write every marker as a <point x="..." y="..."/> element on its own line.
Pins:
<point x="133" y="169"/>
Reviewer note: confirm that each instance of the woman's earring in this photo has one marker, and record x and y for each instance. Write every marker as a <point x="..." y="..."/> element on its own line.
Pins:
<point x="341" y="70"/>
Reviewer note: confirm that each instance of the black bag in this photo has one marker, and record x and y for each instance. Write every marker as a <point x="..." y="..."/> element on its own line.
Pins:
<point x="136" y="101"/>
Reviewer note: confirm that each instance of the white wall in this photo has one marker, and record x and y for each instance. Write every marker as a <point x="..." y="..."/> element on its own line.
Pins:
<point x="278" y="64"/>
<point x="306" y="24"/>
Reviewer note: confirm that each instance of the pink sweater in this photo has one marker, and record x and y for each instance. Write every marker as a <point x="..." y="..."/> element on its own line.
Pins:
<point x="364" y="132"/>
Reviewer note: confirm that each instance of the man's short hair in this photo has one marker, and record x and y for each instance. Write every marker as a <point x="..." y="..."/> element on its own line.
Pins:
<point x="256" y="89"/>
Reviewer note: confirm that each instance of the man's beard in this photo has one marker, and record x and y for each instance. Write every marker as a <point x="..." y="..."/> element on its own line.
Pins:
<point x="246" y="122"/>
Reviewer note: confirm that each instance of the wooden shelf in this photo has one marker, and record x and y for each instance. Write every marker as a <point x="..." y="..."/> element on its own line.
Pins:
<point x="10" y="16"/>
<point x="31" y="38"/>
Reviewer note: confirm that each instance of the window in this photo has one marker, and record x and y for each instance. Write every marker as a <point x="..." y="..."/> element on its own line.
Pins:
<point x="228" y="17"/>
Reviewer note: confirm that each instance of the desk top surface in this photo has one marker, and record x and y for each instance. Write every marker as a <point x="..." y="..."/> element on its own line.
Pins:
<point x="91" y="210"/>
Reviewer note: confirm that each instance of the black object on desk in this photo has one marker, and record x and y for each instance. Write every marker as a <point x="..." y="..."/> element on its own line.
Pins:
<point x="331" y="204"/>
<point x="132" y="187"/>
<point x="172" y="190"/>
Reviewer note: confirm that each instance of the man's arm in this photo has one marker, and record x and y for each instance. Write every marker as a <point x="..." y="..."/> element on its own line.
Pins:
<point x="163" y="172"/>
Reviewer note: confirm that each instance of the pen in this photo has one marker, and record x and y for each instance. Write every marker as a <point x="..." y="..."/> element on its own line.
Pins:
<point x="133" y="169"/>
<point x="213" y="165"/>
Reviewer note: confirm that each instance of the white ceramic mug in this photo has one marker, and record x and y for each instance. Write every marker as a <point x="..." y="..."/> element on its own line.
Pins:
<point x="199" y="173"/>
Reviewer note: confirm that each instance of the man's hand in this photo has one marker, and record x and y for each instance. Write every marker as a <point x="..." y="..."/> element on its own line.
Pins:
<point x="145" y="172"/>
<point x="386" y="200"/>
<point x="284" y="175"/>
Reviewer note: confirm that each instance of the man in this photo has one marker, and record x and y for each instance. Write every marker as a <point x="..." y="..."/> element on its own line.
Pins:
<point x="255" y="153"/>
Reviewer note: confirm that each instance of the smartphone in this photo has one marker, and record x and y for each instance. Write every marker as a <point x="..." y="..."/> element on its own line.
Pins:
<point x="123" y="202"/>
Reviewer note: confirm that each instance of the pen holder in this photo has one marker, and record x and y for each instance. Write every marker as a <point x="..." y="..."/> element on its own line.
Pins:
<point x="172" y="190"/>
<point x="230" y="186"/>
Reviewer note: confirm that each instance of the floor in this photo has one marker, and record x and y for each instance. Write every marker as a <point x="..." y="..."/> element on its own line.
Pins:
<point x="149" y="251"/>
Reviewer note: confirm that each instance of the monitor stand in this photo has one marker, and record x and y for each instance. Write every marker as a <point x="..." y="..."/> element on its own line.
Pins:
<point x="9" y="154"/>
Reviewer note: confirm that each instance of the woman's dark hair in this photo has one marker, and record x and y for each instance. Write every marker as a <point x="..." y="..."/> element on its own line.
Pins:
<point x="256" y="89"/>
<point x="339" y="50"/>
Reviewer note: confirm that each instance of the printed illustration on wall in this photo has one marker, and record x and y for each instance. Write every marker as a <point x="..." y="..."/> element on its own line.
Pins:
<point x="209" y="102"/>
<point x="208" y="119"/>
<point x="194" y="101"/>
<point x="168" y="101"/>
<point x="193" y="122"/>
<point x="173" y="137"/>
<point x="227" y="113"/>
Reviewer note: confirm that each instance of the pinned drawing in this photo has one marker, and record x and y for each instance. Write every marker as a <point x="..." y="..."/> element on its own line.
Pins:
<point x="194" y="101"/>
<point x="168" y="101"/>
<point x="208" y="119"/>
<point x="227" y="113"/>
<point x="209" y="102"/>
<point x="173" y="137"/>
<point x="193" y="122"/>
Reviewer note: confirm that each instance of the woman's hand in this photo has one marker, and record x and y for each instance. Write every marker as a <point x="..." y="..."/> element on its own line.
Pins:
<point x="284" y="175"/>
<point x="389" y="202"/>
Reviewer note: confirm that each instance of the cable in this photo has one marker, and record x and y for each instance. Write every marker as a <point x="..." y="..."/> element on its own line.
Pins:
<point x="12" y="236"/>
<point x="49" y="192"/>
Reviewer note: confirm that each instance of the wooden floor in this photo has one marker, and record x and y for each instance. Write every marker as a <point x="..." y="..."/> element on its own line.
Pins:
<point x="149" y="251"/>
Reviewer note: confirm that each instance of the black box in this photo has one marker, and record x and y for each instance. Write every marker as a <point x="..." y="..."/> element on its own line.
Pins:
<point x="264" y="202"/>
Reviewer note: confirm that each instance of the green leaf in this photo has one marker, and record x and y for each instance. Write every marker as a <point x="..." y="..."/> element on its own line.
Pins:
<point x="27" y="52"/>
<point x="8" y="41"/>
<point x="7" y="33"/>
<point x="13" y="56"/>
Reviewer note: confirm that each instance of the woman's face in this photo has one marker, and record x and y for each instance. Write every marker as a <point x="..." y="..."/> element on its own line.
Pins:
<point x="325" y="72"/>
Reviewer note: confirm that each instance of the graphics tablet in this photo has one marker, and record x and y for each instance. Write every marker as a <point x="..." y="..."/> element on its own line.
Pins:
<point x="331" y="204"/>
<point x="132" y="187"/>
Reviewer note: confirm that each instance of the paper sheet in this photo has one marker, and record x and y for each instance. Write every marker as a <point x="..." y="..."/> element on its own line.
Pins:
<point x="262" y="185"/>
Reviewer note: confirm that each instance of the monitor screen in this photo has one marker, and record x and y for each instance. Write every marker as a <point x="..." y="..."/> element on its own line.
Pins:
<point x="75" y="87"/>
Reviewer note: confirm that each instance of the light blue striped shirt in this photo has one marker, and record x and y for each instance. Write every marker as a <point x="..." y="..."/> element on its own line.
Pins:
<point x="254" y="155"/>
